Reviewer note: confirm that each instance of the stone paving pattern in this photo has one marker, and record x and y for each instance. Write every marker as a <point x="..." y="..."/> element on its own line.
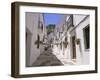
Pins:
<point x="47" y="58"/>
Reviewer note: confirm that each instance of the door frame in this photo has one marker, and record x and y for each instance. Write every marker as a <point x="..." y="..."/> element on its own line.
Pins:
<point x="73" y="56"/>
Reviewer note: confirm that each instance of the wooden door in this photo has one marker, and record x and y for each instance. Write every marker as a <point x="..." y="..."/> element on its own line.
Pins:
<point x="73" y="48"/>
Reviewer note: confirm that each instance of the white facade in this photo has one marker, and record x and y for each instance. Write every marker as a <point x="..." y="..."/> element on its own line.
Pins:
<point x="35" y="32"/>
<point x="68" y="39"/>
<point x="82" y="53"/>
<point x="59" y="50"/>
<point x="71" y="51"/>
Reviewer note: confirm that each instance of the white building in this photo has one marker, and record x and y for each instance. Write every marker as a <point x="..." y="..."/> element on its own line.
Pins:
<point x="73" y="40"/>
<point x="35" y="36"/>
<point x="82" y="25"/>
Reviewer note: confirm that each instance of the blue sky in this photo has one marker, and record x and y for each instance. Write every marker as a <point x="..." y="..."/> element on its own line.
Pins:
<point x="52" y="18"/>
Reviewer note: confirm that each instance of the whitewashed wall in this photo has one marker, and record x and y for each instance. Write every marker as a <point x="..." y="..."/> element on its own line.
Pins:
<point x="77" y="18"/>
<point x="33" y="52"/>
<point x="84" y="54"/>
<point x="32" y="24"/>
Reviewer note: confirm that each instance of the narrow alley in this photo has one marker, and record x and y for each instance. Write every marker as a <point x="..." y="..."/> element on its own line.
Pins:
<point x="57" y="39"/>
<point x="47" y="58"/>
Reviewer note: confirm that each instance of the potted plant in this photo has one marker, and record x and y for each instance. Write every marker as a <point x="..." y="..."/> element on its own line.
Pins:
<point x="77" y="41"/>
<point x="65" y="44"/>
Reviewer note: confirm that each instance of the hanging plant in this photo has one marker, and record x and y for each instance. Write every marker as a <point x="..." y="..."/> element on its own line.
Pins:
<point x="41" y="42"/>
<point x="65" y="44"/>
<point x="77" y="41"/>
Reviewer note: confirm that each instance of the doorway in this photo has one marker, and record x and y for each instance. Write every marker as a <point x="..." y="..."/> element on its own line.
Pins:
<point x="73" y="48"/>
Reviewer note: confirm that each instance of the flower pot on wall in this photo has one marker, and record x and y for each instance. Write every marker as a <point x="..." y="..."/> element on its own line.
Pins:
<point x="77" y="41"/>
<point x="65" y="44"/>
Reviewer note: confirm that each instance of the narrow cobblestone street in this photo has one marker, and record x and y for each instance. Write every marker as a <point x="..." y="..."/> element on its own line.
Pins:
<point x="59" y="42"/>
<point x="47" y="58"/>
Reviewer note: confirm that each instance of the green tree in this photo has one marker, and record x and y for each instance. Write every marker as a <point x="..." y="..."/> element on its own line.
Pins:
<point x="50" y="28"/>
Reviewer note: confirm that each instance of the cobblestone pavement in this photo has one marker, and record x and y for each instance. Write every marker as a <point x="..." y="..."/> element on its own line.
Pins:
<point x="47" y="58"/>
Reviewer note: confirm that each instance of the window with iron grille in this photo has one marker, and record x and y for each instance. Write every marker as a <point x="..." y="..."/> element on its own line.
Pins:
<point x="86" y="32"/>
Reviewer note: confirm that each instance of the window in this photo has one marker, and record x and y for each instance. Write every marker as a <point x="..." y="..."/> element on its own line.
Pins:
<point x="26" y="37"/>
<point x="38" y="41"/>
<point x="41" y="25"/>
<point x="86" y="32"/>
